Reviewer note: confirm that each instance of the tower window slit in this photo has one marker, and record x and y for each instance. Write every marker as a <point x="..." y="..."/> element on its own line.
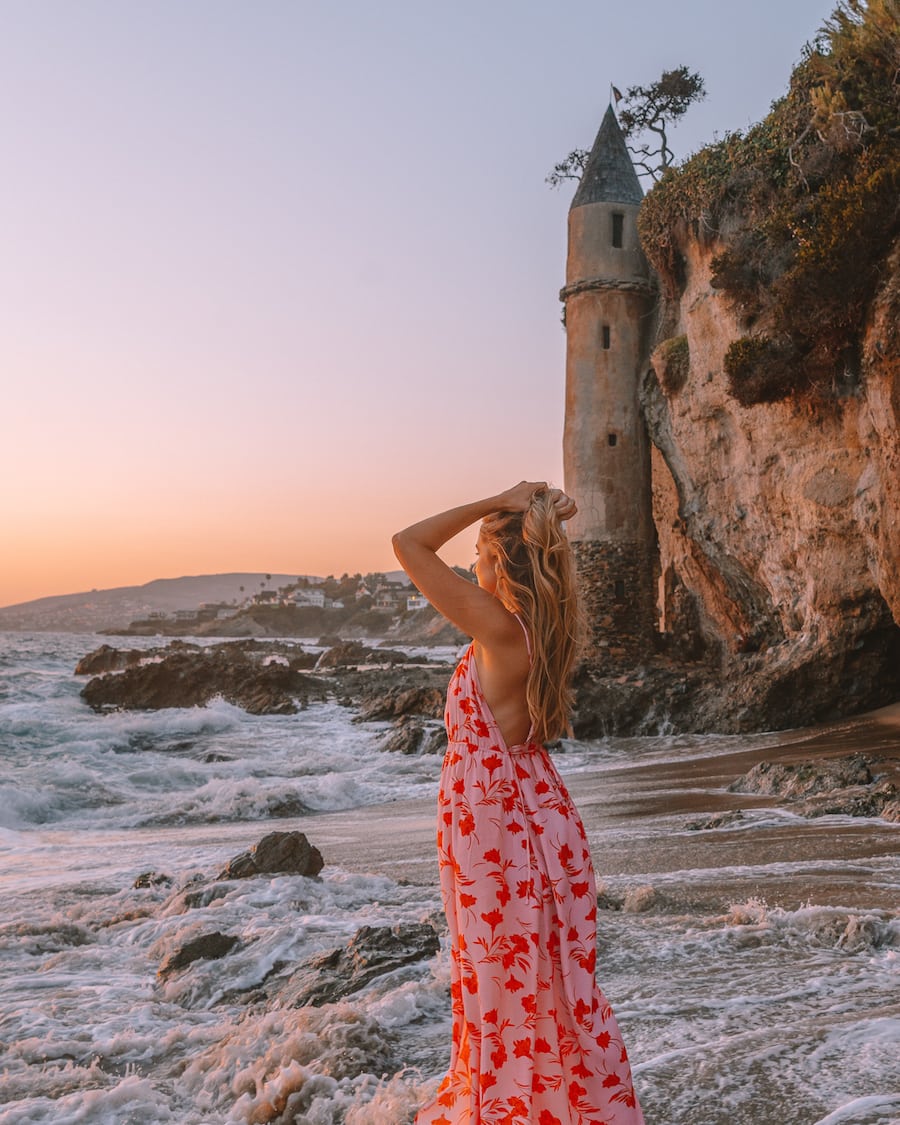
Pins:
<point x="620" y="590"/>
<point x="618" y="229"/>
<point x="606" y="337"/>
<point x="612" y="439"/>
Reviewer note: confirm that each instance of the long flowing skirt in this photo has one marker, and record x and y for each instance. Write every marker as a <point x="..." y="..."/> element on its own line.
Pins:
<point x="534" y="1038"/>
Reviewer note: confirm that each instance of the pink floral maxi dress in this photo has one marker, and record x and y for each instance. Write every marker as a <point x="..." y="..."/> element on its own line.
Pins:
<point x="534" y="1038"/>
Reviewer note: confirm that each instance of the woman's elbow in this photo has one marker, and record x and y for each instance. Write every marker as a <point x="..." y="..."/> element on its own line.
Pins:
<point x="397" y="542"/>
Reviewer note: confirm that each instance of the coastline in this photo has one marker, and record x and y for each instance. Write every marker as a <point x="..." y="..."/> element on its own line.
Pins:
<point x="397" y="838"/>
<point x="650" y="797"/>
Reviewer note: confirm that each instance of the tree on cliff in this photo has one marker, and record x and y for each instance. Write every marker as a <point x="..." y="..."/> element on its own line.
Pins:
<point x="647" y="115"/>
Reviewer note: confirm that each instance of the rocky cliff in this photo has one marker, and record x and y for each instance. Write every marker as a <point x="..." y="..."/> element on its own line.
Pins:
<point x="772" y="398"/>
<point x="778" y="523"/>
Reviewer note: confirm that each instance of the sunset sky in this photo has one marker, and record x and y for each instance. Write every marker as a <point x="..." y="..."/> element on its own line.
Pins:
<point x="280" y="277"/>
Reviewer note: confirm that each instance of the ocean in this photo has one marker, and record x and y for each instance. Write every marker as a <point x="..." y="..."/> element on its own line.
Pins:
<point x="754" y="967"/>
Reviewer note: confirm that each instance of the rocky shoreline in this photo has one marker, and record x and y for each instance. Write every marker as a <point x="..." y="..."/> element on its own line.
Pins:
<point x="750" y="693"/>
<point x="278" y="678"/>
<point x="323" y="978"/>
<point x="384" y="685"/>
<point x="778" y="688"/>
<point x="854" y="784"/>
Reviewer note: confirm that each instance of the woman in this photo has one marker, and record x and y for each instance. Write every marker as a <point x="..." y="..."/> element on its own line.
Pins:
<point x="534" y="1039"/>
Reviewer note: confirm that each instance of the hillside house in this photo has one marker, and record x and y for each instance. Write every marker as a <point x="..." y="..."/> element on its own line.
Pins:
<point x="315" y="597"/>
<point x="265" y="597"/>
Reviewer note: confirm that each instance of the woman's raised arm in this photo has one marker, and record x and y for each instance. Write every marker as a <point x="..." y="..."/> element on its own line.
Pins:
<point x="473" y="610"/>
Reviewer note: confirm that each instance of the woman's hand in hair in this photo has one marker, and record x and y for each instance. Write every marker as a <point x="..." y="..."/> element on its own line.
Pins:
<point x="518" y="498"/>
<point x="564" y="506"/>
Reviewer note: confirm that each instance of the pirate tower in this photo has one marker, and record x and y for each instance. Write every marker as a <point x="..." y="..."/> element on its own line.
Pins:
<point x="606" y="454"/>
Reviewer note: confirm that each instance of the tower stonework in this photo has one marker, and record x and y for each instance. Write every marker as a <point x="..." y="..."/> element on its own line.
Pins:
<point x="608" y="306"/>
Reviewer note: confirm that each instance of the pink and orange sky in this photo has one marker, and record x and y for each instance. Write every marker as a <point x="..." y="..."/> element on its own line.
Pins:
<point x="281" y="277"/>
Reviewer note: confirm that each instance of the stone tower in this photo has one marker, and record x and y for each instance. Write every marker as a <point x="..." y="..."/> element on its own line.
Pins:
<point x="608" y="308"/>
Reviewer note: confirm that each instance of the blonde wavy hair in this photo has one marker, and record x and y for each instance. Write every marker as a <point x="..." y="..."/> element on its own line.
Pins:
<point x="536" y="579"/>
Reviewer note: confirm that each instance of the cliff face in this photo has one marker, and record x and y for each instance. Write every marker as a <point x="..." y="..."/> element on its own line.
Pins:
<point x="779" y="522"/>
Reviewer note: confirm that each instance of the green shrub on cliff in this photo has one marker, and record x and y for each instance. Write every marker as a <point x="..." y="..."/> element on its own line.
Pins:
<point x="758" y="370"/>
<point x="805" y="207"/>
<point x="673" y="363"/>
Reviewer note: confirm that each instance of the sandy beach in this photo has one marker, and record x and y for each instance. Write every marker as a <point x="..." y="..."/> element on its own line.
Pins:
<point x="397" y="839"/>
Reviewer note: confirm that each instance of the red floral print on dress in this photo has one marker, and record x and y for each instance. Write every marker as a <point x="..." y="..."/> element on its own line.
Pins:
<point x="535" y="1041"/>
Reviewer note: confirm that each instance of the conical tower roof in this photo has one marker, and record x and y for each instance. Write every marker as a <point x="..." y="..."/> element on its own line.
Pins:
<point x="609" y="175"/>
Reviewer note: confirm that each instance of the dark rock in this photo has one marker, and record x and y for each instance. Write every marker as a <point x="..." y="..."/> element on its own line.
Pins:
<point x="775" y="688"/>
<point x="648" y="700"/>
<point x="353" y="653"/>
<point x="191" y="677"/>
<point x="107" y="659"/>
<point x="891" y="811"/>
<point x="152" y="879"/>
<point x="404" y="737"/>
<point x="278" y="853"/>
<point x="370" y="953"/>
<point x="206" y="947"/>
<point x="370" y="688"/>
<point x="286" y="806"/>
<point x="717" y="820"/>
<point x="856" y="800"/>
<point x="192" y="900"/>
<point x="830" y="787"/>
<point x="434" y="742"/>
<point x="804" y="778"/>
<point x="409" y="736"/>
<point x="401" y="701"/>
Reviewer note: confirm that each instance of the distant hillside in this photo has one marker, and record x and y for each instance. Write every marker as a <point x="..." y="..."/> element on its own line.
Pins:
<point x="112" y="609"/>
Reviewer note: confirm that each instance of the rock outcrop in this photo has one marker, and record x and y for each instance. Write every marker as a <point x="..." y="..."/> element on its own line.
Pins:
<point x="835" y="786"/>
<point x="278" y="853"/>
<point x="210" y="946"/>
<point x="410" y="736"/>
<point x="417" y="714"/>
<point x="802" y="779"/>
<point x="370" y="953"/>
<point x="351" y="654"/>
<point x="399" y="701"/>
<point x="267" y="677"/>
<point x="108" y="659"/>
<point x="191" y="677"/>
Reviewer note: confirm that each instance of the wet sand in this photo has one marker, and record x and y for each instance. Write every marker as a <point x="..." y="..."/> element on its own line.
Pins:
<point x="636" y="816"/>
